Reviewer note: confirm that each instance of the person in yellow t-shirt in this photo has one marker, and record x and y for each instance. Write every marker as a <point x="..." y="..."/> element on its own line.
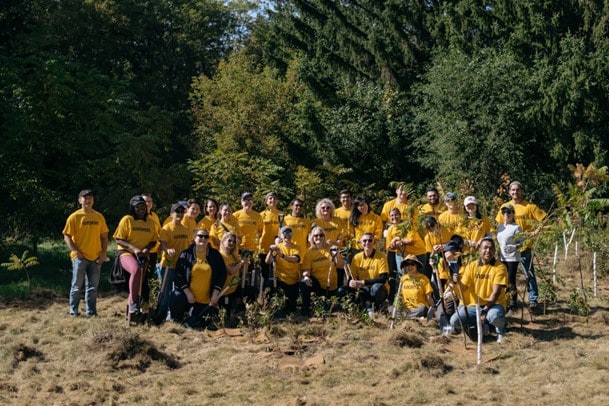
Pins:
<point x="193" y="209"/>
<point x="483" y="282"/>
<point x="402" y="203"/>
<point x="453" y="219"/>
<point x="135" y="235"/>
<point x="370" y="274"/>
<point x="199" y="279"/>
<point x="86" y="235"/>
<point x="211" y="215"/>
<point x="286" y="256"/>
<point x="236" y="266"/>
<point x="530" y="219"/>
<point x="346" y="203"/>
<point x="225" y="223"/>
<point x="271" y="219"/>
<point x="416" y="290"/>
<point x="250" y="223"/>
<point x="319" y="269"/>
<point x="153" y="256"/>
<point x="363" y="220"/>
<point x="433" y="207"/>
<point x="300" y="225"/>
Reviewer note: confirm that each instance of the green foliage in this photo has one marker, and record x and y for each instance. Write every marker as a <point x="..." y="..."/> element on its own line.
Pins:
<point x="578" y="301"/>
<point x="22" y="263"/>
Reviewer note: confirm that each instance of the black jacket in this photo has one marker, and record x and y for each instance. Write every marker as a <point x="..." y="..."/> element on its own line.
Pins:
<point x="187" y="260"/>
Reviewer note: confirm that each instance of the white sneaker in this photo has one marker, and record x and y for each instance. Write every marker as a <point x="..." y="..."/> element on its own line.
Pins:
<point x="500" y="338"/>
<point x="390" y="309"/>
<point x="371" y="313"/>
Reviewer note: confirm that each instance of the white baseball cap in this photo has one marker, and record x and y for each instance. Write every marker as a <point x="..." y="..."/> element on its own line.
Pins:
<point x="470" y="199"/>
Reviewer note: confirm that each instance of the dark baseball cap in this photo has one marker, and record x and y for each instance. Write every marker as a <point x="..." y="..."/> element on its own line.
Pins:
<point x="85" y="192"/>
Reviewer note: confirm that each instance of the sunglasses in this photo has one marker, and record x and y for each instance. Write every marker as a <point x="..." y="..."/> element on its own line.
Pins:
<point x="507" y="212"/>
<point x="366" y="241"/>
<point x="326" y="208"/>
<point x="232" y="241"/>
<point x="206" y="236"/>
<point x="318" y="235"/>
<point x="410" y="263"/>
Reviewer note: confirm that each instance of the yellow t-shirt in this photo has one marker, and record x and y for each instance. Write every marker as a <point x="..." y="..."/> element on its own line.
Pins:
<point x="319" y="263"/>
<point x="332" y="229"/>
<point x="526" y="214"/>
<point x="231" y="260"/>
<point x="177" y="237"/>
<point x="479" y="280"/>
<point x="86" y="230"/>
<point x="136" y="232"/>
<point x="219" y="228"/>
<point x="270" y="228"/>
<point x="415" y="290"/>
<point x="288" y="272"/>
<point x="406" y="211"/>
<point x="251" y="228"/>
<point x="200" y="280"/>
<point x="190" y="224"/>
<point x="369" y="223"/>
<point x="363" y="267"/>
<point x="300" y="227"/>
<point x="206" y="223"/>
<point x="454" y="223"/>
<point x="435" y="238"/>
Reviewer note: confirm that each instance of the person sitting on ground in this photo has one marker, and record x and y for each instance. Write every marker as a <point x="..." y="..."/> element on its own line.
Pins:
<point x="416" y="292"/>
<point x="482" y="282"/>
<point x="199" y="279"/>
<point x="235" y="270"/>
<point x="286" y="256"/>
<point x="135" y="235"/>
<point x="319" y="269"/>
<point x="369" y="278"/>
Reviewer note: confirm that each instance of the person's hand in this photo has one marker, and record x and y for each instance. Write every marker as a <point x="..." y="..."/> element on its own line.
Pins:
<point x="308" y="281"/>
<point x="355" y="284"/>
<point x="510" y="248"/>
<point x="456" y="277"/>
<point x="171" y="252"/>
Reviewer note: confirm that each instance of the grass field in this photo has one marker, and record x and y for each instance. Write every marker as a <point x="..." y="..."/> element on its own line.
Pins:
<point x="47" y="357"/>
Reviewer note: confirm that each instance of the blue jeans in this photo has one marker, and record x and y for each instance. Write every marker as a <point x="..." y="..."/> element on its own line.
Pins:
<point x="163" y="303"/>
<point x="84" y="273"/>
<point x="525" y="257"/>
<point x="495" y="317"/>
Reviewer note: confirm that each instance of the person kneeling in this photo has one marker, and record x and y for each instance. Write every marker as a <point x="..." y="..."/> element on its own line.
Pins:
<point x="200" y="276"/>
<point x="416" y="292"/>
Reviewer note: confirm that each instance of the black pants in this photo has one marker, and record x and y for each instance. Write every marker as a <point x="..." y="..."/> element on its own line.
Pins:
<point x="306" y="290"/>
<point x="195" y="315"/>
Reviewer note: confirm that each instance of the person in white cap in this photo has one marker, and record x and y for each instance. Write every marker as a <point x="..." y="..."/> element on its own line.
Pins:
<point x="476" y="226"/>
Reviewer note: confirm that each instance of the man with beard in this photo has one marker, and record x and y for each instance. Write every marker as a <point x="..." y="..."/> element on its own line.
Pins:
<point x="433" y="207"/>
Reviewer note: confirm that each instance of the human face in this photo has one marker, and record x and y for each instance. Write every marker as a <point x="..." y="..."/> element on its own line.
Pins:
<point x="318" y="236"/>
<point x="178" y="215"/>
<point x="226" y="212"/>
<point x="149" y="202"/>
<point x="211" y="209"/>
<point x="326" y="210"/>
<point x="202" y="238"/>
<point x="432" y="197"/>
<point x="271" y="201"/>
<point x="140" y="210"/>
<point x="367" y="242"/>
<point x="247" y="203"/>
<point x="363" y="207"/>
<point x="395" y="217"/>
<point x="401" y="194"/>
<point x="508" y="215"/>
<point x="86" y="202"/>
<point x="287" y="235"/>
<point x="410" y="267"/>
<point x="487" y="251"/>
<point x="346" y="200"/>
<point x="471" y="208"/>
<point x="193" y="210"/>
<point x="296" y="209"/>
<point x="231" y="242"/>
<point x="516" y="193"/>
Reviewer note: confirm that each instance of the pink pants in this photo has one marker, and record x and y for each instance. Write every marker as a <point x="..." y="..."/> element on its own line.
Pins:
<point x="130" y="264"/>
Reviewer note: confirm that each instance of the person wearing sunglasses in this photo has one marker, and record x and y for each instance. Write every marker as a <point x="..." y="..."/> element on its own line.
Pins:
<point x="510" y="239"/>
<point x="319" y="269"/>
<point x="199" y="278"/>
<point x="286" y="255"/>
<point x="370" y="274"/>
<point x="416" y="292"/>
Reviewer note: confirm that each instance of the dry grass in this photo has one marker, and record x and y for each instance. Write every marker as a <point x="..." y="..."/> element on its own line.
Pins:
<point x="48" y="358"/>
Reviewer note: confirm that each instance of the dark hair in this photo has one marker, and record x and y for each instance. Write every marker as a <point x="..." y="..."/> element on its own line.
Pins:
<point x="355" y="213"/>
<point x="458" y="239"/>
<point x="214" y="201"/>
<point x="429" y="222"/>
<point x="344" y="192"/>
<point x="489" y="238"/>
<point x="477" y="215"/>
<point x="432" y="189"/>
<point x="190" y="202"/>
<point x="297" y="199"/>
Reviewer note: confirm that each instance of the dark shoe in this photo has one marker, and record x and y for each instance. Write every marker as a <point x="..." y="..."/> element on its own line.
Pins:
<point x="73" y="314"/>
<point x="212" y="327"/>
<point x="136" y="318"/>
<point x="92" y="314"/>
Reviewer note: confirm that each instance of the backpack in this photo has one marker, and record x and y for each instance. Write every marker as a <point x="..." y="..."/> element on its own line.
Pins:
<point x="119" y="278"/>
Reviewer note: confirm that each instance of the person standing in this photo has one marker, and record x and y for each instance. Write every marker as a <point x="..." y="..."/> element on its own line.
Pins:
<point x="86" y="235"/>
<point x="250" y="223"/>
<point x="270" y="229"/>
<point x="135" y="235"/>
<point x="346" y="202"/>
<point x="433" y="207"/>
<point x="363" y="220"/>
<point x="529" y="217"/>
<point x="153" y="256"/>
<point x="509" y="237"/>
<point x="298" y="223"/>
<point x="401" y="202"/>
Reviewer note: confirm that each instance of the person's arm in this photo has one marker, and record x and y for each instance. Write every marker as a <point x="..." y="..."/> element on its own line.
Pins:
<point x="382" y="278"/>
<point x="72" y="246"/>
<point x="128" y="245"/>
<point x="103" y="256"/>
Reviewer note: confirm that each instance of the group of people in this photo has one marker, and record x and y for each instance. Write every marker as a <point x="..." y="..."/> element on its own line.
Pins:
<point x="237" y="255"/>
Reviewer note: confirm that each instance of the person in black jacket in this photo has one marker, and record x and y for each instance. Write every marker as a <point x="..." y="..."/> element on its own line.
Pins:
<point x="200" y="276"/>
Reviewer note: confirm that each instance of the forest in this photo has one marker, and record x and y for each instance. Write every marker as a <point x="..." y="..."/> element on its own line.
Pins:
<point x="205" y="98"/>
